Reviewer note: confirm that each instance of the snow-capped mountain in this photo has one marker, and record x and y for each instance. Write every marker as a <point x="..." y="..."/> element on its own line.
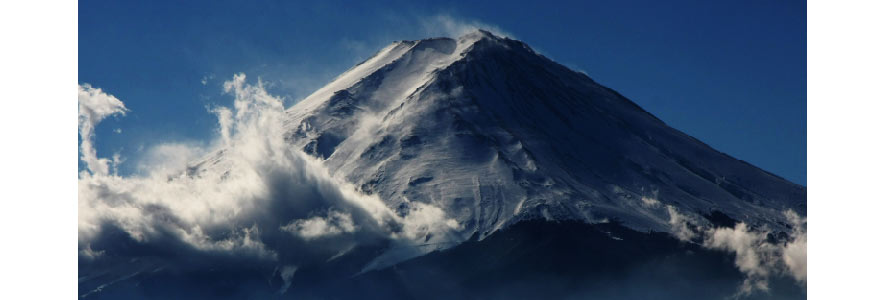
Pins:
<point x="467" y="146"/>
<point x="492" y="132"/>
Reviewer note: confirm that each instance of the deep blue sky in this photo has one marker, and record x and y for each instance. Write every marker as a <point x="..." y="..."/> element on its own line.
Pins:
<point x="732" y="74"/>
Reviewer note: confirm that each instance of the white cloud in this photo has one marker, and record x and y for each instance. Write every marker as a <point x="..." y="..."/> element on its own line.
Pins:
<point x="679" y="224"/>
<point x="333" y="224"/>
<point x="169" y="158"/>
<point x="191" y="209"/>
<point x="423" y="219"/>
<point x="94" y="106"/>
<point x="229" y="196"/>
<point x="755" y="255"/>
<point x="651" y="202"/>
<point x="795" y="251"/>
<point x="242" y="241"/>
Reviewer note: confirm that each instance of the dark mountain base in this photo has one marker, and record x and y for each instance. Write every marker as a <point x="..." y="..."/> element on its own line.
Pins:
<point x="528" y="260"/>
<point x="559" y="260"/>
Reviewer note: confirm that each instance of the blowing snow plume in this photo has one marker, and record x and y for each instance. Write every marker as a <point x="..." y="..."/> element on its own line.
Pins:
<point x="263" y="205"/>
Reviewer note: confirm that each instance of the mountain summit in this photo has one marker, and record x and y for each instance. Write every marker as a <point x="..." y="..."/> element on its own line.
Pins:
<point x="493" y="133"/>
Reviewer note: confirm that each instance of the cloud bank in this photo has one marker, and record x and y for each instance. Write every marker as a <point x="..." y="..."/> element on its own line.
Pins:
<point x="247" y="199"/>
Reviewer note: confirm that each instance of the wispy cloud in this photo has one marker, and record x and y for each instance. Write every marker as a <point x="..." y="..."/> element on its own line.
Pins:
<point x="449" y="26"/>
<point x="333" y="224"/>
<point x="207" y="78"/>
<point x="795" y="251"/>
<point x="756" y="255"/>
<point x="679" y="224"/>
<point x="94" y="106"/>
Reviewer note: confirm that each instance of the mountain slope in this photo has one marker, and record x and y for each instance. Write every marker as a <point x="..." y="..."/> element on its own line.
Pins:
<point x="492" y="132"/>
<point x="537" y="259"/>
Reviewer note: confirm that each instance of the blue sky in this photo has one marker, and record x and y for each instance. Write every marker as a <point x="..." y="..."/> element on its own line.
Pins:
<point x="731" y="74"/>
